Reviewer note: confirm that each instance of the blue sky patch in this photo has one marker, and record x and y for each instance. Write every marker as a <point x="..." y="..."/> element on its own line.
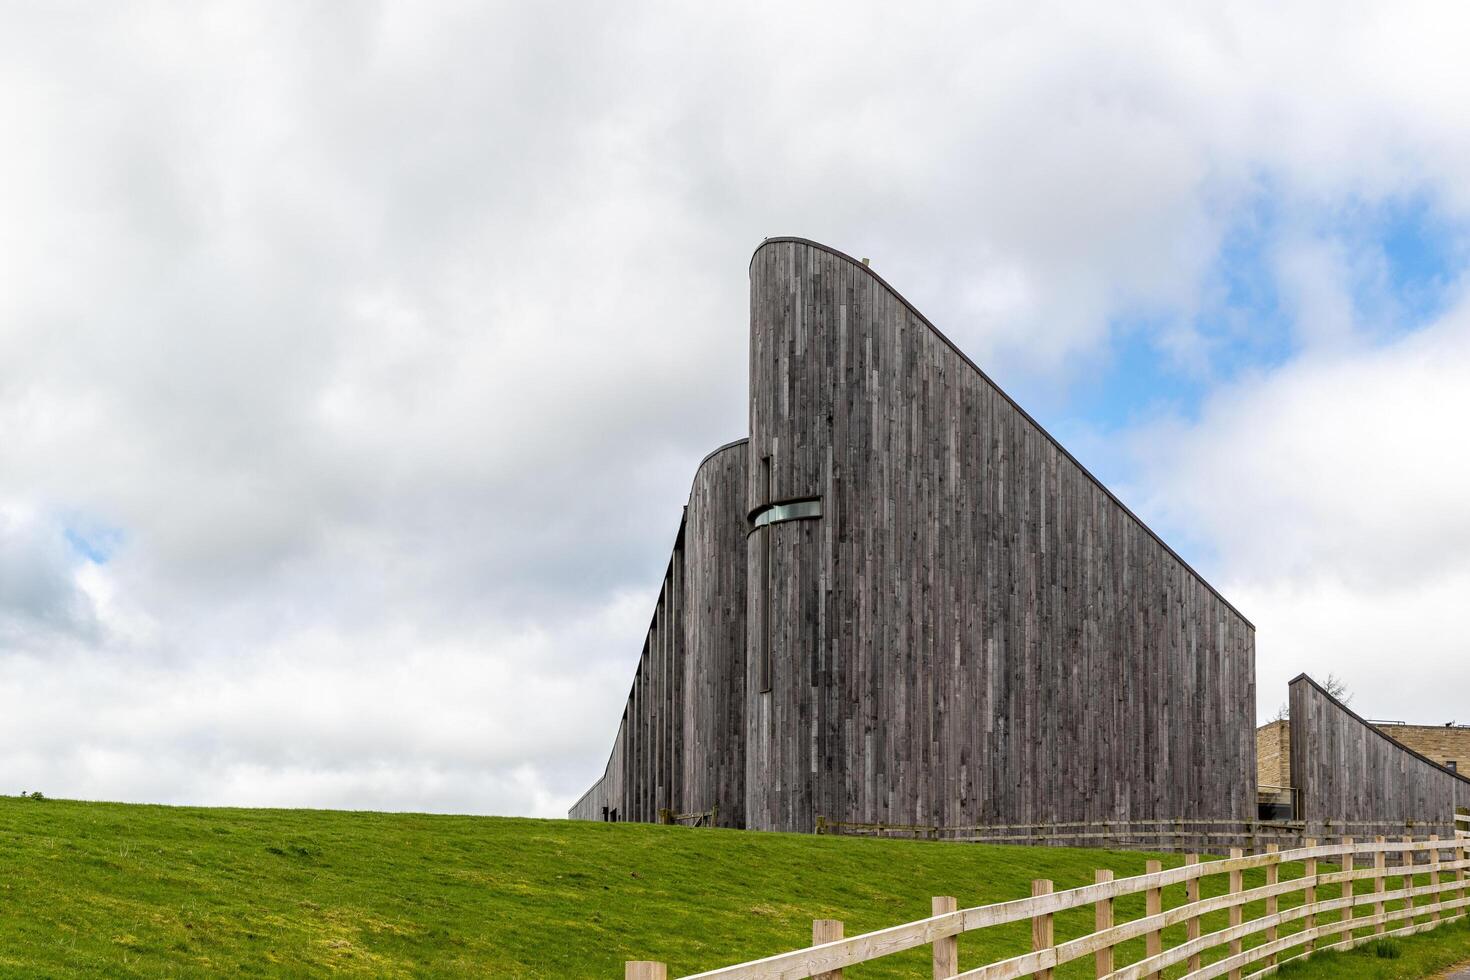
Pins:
<point x="1404" y="262"/>
<point x="1423" y="255"/>
<point x="96" y="543"/>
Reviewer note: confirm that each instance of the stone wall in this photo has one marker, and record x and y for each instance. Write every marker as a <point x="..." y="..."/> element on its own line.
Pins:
<point x="1273" y="755"/>
<point x="1444" y="745"/>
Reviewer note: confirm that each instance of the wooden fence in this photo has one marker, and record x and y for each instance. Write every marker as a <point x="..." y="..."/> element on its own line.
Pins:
<point x="1177" y="835"/>
<point x="701" y="818"/>
<point x="1321" y="911"/>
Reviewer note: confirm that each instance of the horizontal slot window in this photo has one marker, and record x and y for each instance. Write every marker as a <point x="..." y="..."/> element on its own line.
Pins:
<point x="792" y="510"/>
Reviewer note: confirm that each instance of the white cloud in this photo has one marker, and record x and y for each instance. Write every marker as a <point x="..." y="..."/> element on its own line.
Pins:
<point x="1315" y="279"/>
<point x="1333" y="490"/>
<point x="398" y="330"/>
<point x="394" y="719"/>
<point x="43" y="599"/>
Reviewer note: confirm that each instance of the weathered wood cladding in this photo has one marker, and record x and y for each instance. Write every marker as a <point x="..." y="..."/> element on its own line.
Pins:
<point x="975" y="631"/>
<point x="679" y="745"/>
<point x="1344" y="769"/>
<point x="714" y="637"/>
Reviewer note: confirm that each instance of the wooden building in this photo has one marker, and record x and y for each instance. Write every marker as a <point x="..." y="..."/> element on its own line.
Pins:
<point x="1352" y="770"/>
<point x="1345" y="770"/>
<point x="900" y="600"/>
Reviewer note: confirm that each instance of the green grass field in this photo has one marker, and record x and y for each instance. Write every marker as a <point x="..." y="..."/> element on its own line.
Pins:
<point x="105" y="889"/>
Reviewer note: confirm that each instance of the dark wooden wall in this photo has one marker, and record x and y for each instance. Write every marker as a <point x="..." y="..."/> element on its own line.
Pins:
<point x="714" y="638"/>
<point x="1345" y="770"/>
<point x="606" y="795"/>
<point x="679" y="743"/>
<point x="975" y="631"/>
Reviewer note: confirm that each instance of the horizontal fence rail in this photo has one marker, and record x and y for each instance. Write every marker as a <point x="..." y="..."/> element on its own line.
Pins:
<point x="1178" y="835"/>
<point x="701" y="818"/>
<point x="1347" y="893"/>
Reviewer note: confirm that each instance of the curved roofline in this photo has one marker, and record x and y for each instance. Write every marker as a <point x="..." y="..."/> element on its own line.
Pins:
<point x="791" y="239"/>
<point x="1374" y="728"/>
<point x="715" y="452"/>
<point x="653" y="620"/>
<point x="678" y="543"/>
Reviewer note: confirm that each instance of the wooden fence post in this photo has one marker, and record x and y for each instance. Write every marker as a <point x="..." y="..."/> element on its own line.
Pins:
<point x="1041" y="926"/>
<point x="1102" y="918"/>
<point x="947" y="948"/>
<point x="1273" y="876"/>
<point x="1434" y="878"/>
<point x="1380" y="882"/>
<point x="1309" y="871"/>
<point x="1237" y="912"/>
<point x="1153" y="904"/>
<point x="1435" y="912"/>
<point x="1191" y="897"/>
<point x="1459" y="872"/>
<point x="1408" y="879"/>
<point x="826" y="931"/>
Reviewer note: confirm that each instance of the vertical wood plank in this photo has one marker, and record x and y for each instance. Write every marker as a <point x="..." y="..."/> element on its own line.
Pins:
<point x="1434" y="879"/>
<point x="1153" y="905"/>
<point x="1041" y="926"/>
<point x="1191" y="897"/>
<point x="645" y="970"/>
<point x="947" y="948"/>
<point x="1380" y="883"/>
<point x="1407" y="864"/>
<point x="1273" y="876"/>
<point x="826" y="931"/>
<point x="1460" y="872"/>
<point x="1102" y="918"/>
<point x="1347" y="893"/>
<point x="1309" y="893"/>
<point x="1236" y="911"/>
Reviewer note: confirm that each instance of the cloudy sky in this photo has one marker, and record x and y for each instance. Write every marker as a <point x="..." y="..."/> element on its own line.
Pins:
<point x="355" y="359"/>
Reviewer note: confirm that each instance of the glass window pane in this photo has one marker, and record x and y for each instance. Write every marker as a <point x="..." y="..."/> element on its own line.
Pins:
<point x="794" y="510"/>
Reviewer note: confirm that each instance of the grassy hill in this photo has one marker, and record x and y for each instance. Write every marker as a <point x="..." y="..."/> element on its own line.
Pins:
<point x="121" y="890"/>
